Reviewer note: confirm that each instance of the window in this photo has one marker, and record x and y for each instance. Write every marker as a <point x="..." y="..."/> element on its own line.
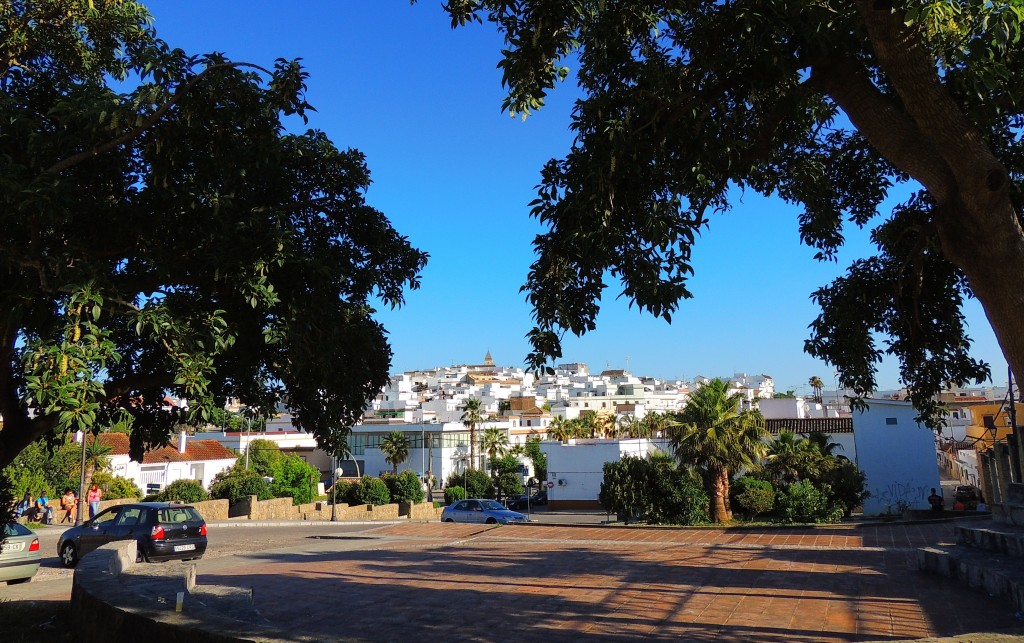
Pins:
<point x="890" y="421"/>
<point x="129" y="517"/>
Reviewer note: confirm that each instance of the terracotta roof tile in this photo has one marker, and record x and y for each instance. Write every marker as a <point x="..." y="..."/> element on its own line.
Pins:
<point x="807" y="425"/>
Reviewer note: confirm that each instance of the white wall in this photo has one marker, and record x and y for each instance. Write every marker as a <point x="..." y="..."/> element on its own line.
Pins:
<point x="898" y="456"/>
<point x="577" y="468"/>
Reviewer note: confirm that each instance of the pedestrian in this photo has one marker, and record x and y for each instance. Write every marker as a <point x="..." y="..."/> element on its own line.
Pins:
<point x="94" y="495"/>
<point x="935" y="500"/>
<point x="68" y="502"/>
<point x="24" y="507"/>
<point x="43" y="507"/>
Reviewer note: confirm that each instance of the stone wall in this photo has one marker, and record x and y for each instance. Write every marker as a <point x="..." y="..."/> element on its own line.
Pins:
<point x="212" y="510"/>
<point x="273" y="509"/>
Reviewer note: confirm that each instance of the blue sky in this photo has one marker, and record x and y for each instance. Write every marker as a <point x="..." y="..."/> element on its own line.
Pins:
<point x="455" y="175"/>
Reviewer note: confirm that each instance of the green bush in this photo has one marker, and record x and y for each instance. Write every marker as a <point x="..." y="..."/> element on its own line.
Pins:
<point x="479" y="484"/>
<point x="373" y="491"/>
<point x="406" y="487"/>
<point x="263" y="456"/>
<point x="344" y="492"/>
<point x="454" y="494"/>
<point x="237" y="484"/>
<point x="115" y="487"/>
<point x="755" y="496"/>
<point x="294" y="478"/>
<point x="185" y="491"/>
<point x="653" y="489"/>
<point x="803" y="502"/>
<point x="844" y="483"/>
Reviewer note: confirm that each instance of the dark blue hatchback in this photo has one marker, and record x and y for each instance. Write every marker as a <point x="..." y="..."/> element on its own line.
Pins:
<point x="163" y="531"/>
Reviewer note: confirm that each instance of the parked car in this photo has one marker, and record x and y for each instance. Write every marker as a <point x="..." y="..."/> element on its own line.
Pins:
<point x="481" y="511"/>
<point x="163" y="531"/>
<point x="538" y="499"/>
<point x="966" y="493"/>
<point x="19" y="554"/>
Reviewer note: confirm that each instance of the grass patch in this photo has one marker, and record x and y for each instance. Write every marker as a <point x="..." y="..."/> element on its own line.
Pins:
<point x="36" y="621"/>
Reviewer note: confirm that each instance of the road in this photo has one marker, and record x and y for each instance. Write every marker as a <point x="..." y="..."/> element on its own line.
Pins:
<point x="53" y="582"/>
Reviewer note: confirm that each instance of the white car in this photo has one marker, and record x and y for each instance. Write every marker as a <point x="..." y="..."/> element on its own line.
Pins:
<point x="19" y="554"/>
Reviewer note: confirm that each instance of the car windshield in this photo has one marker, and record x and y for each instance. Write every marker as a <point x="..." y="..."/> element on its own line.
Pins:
<point x="178" y="514"/>
<point x="490" y="504"/>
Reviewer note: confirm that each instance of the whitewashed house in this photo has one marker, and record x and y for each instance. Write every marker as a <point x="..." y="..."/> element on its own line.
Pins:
<point x="184" y="459"/>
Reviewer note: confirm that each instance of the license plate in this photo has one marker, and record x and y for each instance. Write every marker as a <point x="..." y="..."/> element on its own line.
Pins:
<point x="9" y="547"/>
<point x="184" y="547"/>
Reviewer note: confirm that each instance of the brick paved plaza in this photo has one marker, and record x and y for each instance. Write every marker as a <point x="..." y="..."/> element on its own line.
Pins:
<point x="433" y="582"/>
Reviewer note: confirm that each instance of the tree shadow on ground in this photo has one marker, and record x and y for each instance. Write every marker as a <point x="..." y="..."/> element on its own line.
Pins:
<point x="503" y="590"/>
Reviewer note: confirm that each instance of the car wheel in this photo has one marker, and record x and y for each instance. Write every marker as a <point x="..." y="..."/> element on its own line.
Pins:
<point x="140" y="554"/>
<point x="492" y="521"/>
<point x="68" y="555"/>
<point x="19" y="581"/>
<point x="447" y="520"/>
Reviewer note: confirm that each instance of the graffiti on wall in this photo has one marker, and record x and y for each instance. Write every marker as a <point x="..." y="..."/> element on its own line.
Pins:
<point x="900" y="496"/>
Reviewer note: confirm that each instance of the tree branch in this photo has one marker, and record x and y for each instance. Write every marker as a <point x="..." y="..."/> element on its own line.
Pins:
<point x="912" y="71"/>
<point x="884" y="123"/>
<point x="102" y="148"/>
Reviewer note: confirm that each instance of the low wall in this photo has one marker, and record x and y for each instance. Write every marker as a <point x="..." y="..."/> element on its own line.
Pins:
<point x="212" y="510"/>
<point x="112" y="599"/>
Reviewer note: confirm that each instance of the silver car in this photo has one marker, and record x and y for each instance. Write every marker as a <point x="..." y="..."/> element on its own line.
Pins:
<point x="480" y="510"/>
<point x="19" y="554"/>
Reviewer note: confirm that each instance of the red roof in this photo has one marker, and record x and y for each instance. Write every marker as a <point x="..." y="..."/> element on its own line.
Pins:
<point x="195" y="450"/>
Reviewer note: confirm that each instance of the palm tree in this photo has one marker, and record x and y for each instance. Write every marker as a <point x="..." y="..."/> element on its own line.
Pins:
<point x="785" y="456"/>
<point x="715" y="437"/>
<point x="471" y="416"/>
<point x="559" y="429"/>
<point x="395" y="447"/>
<point x="817" y="385"/>
<point x="820" y="440"/>
<point x="494" y="442"/>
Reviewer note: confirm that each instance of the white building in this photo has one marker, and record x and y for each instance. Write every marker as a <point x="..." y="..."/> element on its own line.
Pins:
<point x="184" y="459"/>
<point x="897" y="454"/>
<point x="576" y="469"/>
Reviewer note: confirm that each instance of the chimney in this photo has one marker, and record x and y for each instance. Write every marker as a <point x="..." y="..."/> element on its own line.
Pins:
<point x="181" y="441"/>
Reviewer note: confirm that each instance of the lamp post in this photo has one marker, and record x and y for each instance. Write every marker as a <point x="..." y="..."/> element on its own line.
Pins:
<point x="334" y="489"/>
<point x="248" y="436"/>
<point x="81" y="486"/>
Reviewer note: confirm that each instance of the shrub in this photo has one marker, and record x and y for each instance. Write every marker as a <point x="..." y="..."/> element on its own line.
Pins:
<point x="344" y="492"/>
<point x="185" y="491"/>
<point x="479" y="484"/>
<point x="803" y="502"/>
<point x="294" y="478"/>
<point x="373" y="491"/>
<point x="407" y="487"/>
<point x="115" y="487"/>
<point x="263" y="455"/>
<point x="454" y="494"/>
<point x="845" y="484"/>
<point x="755" y="496"/>
<point x="653" y="489"/>
<point x="237" y="484"/>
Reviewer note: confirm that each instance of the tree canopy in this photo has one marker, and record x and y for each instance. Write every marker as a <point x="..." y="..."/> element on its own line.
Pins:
<point x="829" y="105"/>
<point x="164" y="232"/>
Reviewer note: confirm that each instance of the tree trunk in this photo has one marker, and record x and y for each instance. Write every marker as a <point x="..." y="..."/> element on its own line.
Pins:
<point x="472" y="446"/>
<point x="719" y="492"/>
